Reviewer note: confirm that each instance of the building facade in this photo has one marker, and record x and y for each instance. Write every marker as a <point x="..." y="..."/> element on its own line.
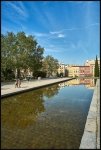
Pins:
<point x="91" y="63"/>
<point x="77" y="71"/>
<point x="85" y="71"/>
<point x="62" y="69"/>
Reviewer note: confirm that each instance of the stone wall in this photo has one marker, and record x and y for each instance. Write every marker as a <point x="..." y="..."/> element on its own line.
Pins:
<point x="91" y="136"/>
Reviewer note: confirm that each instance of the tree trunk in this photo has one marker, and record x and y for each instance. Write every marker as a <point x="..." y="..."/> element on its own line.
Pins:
<point x="18" y="73"/>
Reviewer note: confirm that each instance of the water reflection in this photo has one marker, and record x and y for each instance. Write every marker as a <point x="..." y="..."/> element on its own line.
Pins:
<point x="88" y="83"/>
<point x="23" y="109"/>
<point x="49" y="117"/>
<point x="51" y="91"/>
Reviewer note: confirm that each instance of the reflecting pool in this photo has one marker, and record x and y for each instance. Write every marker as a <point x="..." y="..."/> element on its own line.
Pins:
<point x="48" y="118"/>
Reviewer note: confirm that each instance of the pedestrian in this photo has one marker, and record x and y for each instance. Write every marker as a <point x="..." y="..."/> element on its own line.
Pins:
<point x="19" y="82"/>
<point x="16" y="83"/>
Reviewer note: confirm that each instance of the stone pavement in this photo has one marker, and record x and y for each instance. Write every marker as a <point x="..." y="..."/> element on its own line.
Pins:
<point x="91" y="136"/>
<point x="98" y="117"/>
<point x="9" y="89"/>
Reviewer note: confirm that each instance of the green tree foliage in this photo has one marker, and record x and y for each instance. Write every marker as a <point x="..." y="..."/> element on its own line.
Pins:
<point x="50" y="66"/>
<point x="7" y="74"/>
<point x="19" y="51"/>
<point x="6" y="44"/>
<point x="96" y="71"/>
<point x="61" y="74"/>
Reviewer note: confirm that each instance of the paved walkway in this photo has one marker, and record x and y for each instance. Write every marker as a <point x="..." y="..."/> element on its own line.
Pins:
<point x="9" y="89"/>
<point x="91" y="136"/>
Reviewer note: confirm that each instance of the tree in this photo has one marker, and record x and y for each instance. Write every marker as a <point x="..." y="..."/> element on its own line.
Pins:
<point x="19" y="51"/>
<point x="50" y="65"/>
<point x="6" y="51"/>
<point x="96" y="70"/>
<point x="61" y="74"/>
<point x="35" y="61"/>
<point x="7" y="42"/>
<point x="7" y="74"/>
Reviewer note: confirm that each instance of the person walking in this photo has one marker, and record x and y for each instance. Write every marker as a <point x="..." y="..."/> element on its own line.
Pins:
<point x="16" y="83"/>
<point x="19" y="82"/>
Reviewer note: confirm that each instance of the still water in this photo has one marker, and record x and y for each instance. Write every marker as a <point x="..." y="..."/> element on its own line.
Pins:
<point x="48" y="118"/>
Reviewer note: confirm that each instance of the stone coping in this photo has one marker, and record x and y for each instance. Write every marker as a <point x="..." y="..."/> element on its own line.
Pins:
<point x="91" y="135"/>
<point x="9" y="89"/>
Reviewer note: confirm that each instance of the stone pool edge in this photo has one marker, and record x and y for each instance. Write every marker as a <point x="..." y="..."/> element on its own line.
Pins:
<point x="91" y="135"/>
<point x="33" y="88"/>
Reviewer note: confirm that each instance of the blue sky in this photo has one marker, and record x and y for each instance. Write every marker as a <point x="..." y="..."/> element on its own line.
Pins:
<point x="69" y="31"/>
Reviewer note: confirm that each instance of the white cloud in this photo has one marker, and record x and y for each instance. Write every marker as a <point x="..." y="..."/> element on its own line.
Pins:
<point x="77" y="28"/>
<point x="19" y="8"/>
<point x="54" y="35"/>
<point x="57" y="32"/>
<point x="60" y="31"/>
<point x="42" y="18"/>
<point x="61" y="35"/>
<point x="52" y="50"/>
<point x="40" y="34"/>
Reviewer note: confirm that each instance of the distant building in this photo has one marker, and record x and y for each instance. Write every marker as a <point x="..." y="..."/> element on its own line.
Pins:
<point x="73" y="71"/>
<point x="85" y="71"/>
<point x="91" y="63"/>
<point x="76" y="70"/>
<point x="62" y="69"/>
